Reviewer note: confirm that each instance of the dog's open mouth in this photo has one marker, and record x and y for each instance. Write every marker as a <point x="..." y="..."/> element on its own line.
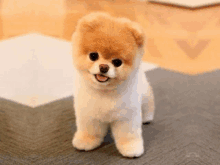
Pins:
<point x="101" y="78"/>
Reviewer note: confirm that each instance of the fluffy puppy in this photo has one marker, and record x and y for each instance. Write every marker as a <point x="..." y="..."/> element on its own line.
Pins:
<point x="110" y="89"/>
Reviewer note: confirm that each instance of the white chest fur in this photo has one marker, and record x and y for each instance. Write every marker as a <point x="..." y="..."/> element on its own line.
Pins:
<point x="108" y="107"/>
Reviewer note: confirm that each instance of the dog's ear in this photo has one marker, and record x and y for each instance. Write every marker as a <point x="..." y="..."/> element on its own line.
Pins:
<point x="91" y="21"/>
<point x="136" y="30"/>
<point x="138" y="34"/>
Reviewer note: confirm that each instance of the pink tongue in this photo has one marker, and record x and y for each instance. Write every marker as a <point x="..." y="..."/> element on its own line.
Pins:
<point x="101" y="78"/>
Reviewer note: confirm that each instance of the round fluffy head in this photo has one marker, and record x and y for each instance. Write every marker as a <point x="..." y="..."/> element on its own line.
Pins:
<point x="106" y="49"/>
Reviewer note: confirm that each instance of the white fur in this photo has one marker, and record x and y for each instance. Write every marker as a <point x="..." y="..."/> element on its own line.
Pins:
<point x="121" y="109"/>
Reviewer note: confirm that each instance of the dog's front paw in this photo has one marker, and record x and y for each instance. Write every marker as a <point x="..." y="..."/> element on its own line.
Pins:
<point x="86" y="142"/>
<point x="134" y="148"/>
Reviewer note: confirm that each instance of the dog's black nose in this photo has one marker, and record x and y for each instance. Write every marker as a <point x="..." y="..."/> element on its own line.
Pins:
<point x="103" y="68"/>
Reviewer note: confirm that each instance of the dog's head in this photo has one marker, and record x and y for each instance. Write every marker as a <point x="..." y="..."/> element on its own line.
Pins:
<point x="107" y="49"/>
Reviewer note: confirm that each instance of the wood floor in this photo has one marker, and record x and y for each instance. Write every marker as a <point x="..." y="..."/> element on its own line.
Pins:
<point x="179" y="39"/>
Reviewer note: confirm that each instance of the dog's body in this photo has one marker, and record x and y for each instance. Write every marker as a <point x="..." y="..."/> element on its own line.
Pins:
<point x="121" y="101"/>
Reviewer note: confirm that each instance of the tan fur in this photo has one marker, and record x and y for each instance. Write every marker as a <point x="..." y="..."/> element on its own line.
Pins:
<point x="109" y="36"/>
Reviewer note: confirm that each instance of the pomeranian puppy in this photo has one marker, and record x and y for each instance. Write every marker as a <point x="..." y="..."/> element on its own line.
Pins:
<point x="110" y="88"/>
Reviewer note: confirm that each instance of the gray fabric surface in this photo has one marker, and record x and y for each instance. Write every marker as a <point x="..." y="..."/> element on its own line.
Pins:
<point x="186" y="128"/>
<point x="16" y="133"/>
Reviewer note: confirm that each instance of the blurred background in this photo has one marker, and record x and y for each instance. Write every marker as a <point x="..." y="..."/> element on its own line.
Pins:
<point x="182" y="36"/>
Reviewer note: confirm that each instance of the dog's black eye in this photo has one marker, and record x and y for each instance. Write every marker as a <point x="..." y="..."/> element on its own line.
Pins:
<point x="116" y="62"/>
<point x="94" y="56"/>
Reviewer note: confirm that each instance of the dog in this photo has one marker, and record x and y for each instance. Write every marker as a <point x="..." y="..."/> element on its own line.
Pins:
<point x="110" y="88"/>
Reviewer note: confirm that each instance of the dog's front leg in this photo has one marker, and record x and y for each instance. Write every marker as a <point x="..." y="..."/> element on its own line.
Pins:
<point x="90" y="133"/>
<point x="128" y="137"/>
